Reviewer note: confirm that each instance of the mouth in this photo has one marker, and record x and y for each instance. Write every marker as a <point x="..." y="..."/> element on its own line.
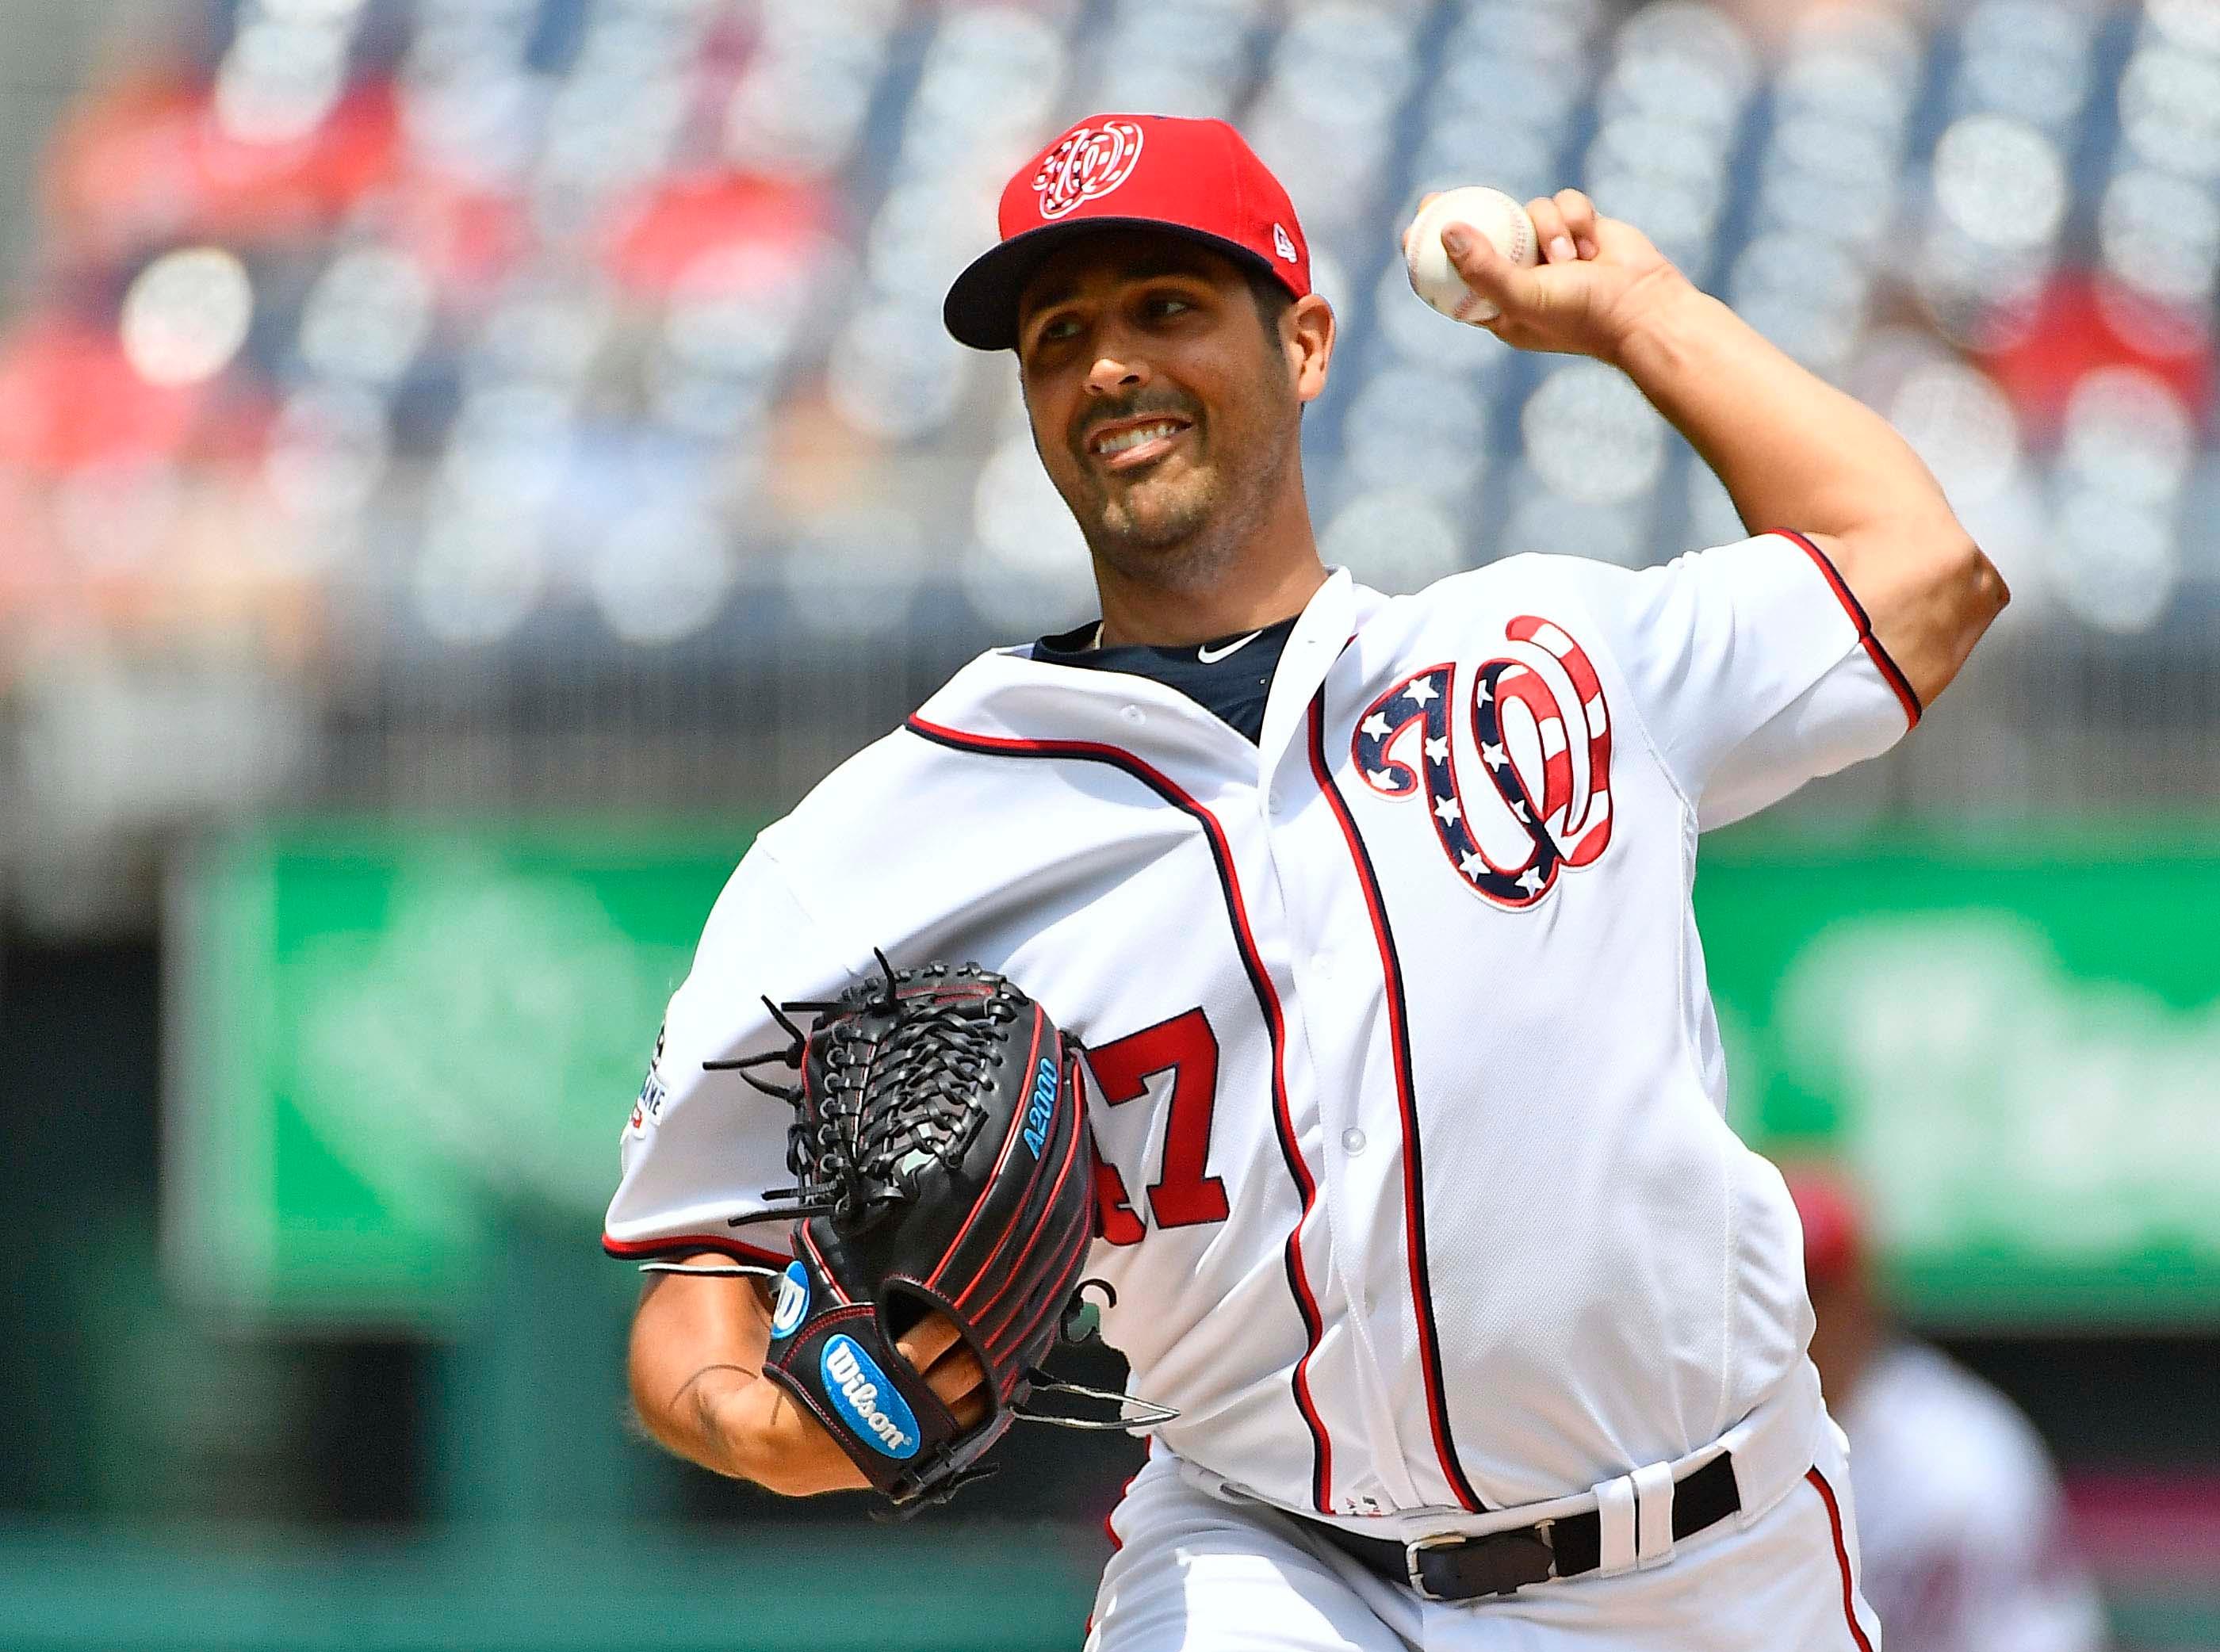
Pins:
<point x="1129" y="443"/>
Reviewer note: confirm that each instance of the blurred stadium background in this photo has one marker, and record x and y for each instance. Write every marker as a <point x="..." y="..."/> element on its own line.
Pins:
<point x="465" y="463"/>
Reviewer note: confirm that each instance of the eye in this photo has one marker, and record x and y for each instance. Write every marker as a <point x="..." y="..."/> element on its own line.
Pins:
<point x="1055" y="331"/>
<point x="1167" y="306"/>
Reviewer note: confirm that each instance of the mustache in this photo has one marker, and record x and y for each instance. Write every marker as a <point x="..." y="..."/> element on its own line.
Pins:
<point x="1140" y="406"/>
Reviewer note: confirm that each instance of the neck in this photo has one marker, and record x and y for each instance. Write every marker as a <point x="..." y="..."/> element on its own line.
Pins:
<point x="1270" y="578"/>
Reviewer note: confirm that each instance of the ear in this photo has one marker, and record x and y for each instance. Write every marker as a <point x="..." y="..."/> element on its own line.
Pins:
<point x="1307" y="333"/>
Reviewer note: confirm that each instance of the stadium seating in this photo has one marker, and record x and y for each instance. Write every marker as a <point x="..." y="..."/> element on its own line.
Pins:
<point x="542" y="342"/>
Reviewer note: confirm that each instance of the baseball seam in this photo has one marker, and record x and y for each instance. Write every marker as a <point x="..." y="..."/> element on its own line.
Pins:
<point x="1473" y="310"/>
<point x="1464" y="311"/>
<point x="1467" y="304"/>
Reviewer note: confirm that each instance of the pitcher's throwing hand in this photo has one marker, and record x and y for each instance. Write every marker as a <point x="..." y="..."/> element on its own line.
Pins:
<point x="1597" y="279"/>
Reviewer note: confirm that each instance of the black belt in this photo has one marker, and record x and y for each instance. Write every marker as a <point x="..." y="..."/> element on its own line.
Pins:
<point x="1452" y="1568"/>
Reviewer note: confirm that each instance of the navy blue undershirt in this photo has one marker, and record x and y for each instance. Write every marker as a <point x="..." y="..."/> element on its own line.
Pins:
<point x="1232" y="687"/>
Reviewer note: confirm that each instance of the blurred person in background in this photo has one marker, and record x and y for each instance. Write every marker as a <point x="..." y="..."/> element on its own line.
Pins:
<point x="1963" y="1527"/>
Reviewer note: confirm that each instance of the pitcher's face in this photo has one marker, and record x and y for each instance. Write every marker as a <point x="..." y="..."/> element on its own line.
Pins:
<point x="1163" y="406"/>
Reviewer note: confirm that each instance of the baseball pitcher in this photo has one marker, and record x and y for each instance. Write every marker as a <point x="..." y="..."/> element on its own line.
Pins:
<point x="1466" y="1320"/>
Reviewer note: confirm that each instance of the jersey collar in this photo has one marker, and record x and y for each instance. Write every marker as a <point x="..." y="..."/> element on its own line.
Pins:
<point x="1328" y="620"/>
<point x="1006" y="693"/>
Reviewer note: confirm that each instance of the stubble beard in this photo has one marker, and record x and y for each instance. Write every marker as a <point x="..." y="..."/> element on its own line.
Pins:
<point x="1188" y="544"/>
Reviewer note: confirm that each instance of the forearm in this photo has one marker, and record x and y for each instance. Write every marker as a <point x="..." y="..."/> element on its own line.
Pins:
<point x="689" y="1421"/>
<point x="1793" y="451"/>
<point x="696" y="1369"/>
<point x="733" y="1422"/>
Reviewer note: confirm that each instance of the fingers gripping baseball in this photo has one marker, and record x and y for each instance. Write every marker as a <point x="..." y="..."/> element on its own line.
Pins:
<point x="1564" y="225"/>
<point x="1596" y="276"/>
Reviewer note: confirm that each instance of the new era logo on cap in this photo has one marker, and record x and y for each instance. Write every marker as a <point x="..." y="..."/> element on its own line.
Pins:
<point x="1193" y="179"/>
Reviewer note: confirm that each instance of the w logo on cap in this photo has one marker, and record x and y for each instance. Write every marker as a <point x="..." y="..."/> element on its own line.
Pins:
<point x="1087" y="165"/>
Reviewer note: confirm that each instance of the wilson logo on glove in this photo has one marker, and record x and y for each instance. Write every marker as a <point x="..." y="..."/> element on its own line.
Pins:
<point x="858" y="1387"/>
<point x="793" y="1300"/>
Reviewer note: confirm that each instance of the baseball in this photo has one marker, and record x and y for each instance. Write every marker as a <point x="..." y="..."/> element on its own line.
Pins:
<point x="1496" y="216"/>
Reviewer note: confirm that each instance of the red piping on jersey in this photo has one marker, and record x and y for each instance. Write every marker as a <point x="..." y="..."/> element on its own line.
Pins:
<point x="1842" y="1557"/>
<point x="1414" y="1185"/>
<point x="626" y="1249"/>
<point x="1899" y="684"/>
<point x="1268" y="1001"/>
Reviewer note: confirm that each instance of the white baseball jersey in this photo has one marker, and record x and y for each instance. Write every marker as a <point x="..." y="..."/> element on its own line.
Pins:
<point x="1416" y="1192"/>
<point x="1964" y="1528"/>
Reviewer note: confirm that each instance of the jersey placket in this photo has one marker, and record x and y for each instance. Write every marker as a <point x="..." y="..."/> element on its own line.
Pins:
<point x="1380" y="1057"/>
<point x="1215" y="766"/>
<point x="1331" y="1010"/>
<point x="1334" y="1004"/>
<point x="1309" y="1124"/>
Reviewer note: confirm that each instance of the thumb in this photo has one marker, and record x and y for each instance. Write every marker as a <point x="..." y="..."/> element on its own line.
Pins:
<point x="1483" y="269"/>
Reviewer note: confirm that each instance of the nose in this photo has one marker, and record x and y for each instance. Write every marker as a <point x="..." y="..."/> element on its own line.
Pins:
<point x="1113" y="374"/>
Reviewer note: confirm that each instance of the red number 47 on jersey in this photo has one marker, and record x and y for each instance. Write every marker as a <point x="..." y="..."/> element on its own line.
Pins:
<point x="1183" y="1195"/>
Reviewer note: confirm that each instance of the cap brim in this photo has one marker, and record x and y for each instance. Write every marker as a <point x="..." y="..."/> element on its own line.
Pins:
<point x="981" y="307"/>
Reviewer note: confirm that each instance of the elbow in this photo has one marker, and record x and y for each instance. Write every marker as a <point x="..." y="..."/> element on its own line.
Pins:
<point x="1979" y="593"/>
<point x="1963" y="594"/>
<point x="652" y="1420"/>
<point x="678" y="1413"/>
<point x="1955" y="566"/>
<point x="1990" y="592"/>
<point x="1928" y="593"/>
<point x="648" y="1419"/>
<point x="711" y="1423"/>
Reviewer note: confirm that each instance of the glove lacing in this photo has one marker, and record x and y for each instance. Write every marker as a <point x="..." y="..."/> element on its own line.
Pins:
<point x="858" y="1156"/>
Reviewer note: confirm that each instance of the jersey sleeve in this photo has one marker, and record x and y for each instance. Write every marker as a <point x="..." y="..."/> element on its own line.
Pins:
<point x="701" y="1145"/>
<point x="1753" y="669"/>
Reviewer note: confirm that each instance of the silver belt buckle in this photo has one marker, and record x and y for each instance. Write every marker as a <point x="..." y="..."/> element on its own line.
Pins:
<point x="1417" y="1547"/>
<point x="1544" y="1529"/>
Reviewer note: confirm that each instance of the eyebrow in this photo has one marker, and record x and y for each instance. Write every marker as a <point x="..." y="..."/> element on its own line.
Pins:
<point x="1154" y="268"/>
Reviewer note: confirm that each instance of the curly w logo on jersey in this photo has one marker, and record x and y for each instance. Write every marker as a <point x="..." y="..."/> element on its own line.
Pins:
<point x="1087" y="165"/>
<point x="1542" y="733"/>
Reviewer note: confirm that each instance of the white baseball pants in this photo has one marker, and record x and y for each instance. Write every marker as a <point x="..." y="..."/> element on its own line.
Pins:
<point x="1199" y="1573"/>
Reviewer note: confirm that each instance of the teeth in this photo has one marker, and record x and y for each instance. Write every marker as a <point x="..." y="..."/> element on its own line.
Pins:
<point x="1126" y="440"/>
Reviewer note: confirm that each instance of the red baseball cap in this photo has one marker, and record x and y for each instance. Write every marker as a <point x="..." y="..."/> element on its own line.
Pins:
<point x="1196" y="178"/>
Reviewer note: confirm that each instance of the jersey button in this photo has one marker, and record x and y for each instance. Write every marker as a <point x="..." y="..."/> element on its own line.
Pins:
<point x="1352" y="1141"/>
<point x="1133" y="715"/>
<point x="1274" y="801"/>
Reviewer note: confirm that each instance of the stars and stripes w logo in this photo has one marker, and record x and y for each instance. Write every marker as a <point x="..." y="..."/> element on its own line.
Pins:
<point x="1541" y="732"/>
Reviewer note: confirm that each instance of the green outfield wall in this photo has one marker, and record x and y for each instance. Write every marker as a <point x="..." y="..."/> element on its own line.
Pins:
<point x="385" y="1041"/>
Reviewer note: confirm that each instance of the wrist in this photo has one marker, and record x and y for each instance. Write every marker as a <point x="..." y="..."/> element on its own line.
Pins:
<point x="1659" y="320"/>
